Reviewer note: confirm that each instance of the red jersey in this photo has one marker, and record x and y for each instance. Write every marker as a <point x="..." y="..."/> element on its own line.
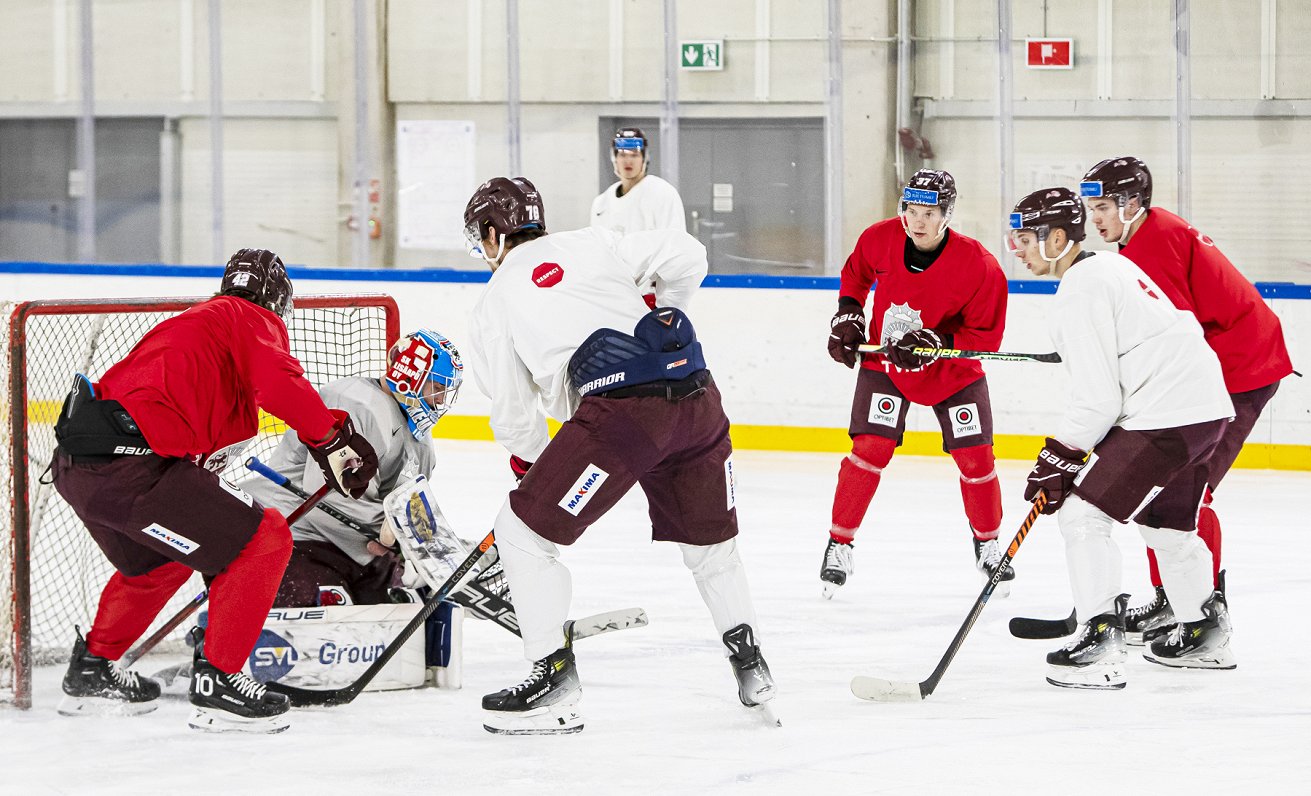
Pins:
<point x="1242" y="330"/>
<point x="963" y="293"/>
<point x="196" y="382"/>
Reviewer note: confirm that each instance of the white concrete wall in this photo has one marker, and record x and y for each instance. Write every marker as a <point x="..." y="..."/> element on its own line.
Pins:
<point x="767" y="349"/>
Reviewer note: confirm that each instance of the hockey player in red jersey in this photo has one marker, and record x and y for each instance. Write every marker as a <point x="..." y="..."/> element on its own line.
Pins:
<point x="933" y="289"/>
<point x="1242" y="330"/>
<point x="137" y="461"/>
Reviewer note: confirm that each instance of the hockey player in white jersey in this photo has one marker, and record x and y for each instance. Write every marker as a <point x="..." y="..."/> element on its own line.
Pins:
<point x="638" y="201"/>
<point x="396" y="413"/>
<point x="551" y="336"/>
<point x="1148" y="400"/>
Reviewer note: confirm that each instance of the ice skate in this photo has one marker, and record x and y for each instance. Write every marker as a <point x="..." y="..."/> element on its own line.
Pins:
<point x="233" y="702"/>
<point x="1096" y="657"/>
<point x="987" y="558"/>
<point x="839" y="563"/>
<point x="755" y="685"/>
<point x="1143" y="622"/>
<point x="546" y="703"/>
<point x="1203" y="644"/>
<point x="98" y="686"/>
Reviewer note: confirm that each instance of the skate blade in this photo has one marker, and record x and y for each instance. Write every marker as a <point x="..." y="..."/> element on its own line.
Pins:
<point x="561" y="719"/>
<point x="765" y="712"/>
<point x="1095" y="678"/>
<point x="1134" y="639"/>
<point x="103" y="706"/>
<point x="1220" y="660"/>
<point x="829" y="589"/>
<point x="218" y="721"/>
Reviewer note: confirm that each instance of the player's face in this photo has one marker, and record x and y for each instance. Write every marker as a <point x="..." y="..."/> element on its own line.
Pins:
<point x="629" y="164"/>
<point x="923" y="225"/>
<point x="1026" y="247"/>
<point x="1105" y="214"/>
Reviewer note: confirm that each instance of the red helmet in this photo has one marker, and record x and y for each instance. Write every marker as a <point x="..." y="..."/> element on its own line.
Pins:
<point x="509" y="204"/>
<point x="1124" y="178"/>
<point x="1051" y="208"/>
<point x="259" y="276"/>
<point x="930" y="187"/>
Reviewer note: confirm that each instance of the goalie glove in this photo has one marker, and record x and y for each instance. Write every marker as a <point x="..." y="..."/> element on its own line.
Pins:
<point x="346" y="458"/>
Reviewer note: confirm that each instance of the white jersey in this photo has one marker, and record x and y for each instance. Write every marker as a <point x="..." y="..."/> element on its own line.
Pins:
<point x="546" y="297"/>
<point x="1134" y="360"/>
<point x="382" y="422"/>
<point x="650" y="204"/>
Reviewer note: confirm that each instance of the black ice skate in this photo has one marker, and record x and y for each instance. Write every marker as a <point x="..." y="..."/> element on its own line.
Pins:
<point x="546" y="703"/>
<point x="1096" y="657"/>
<point x="1144" y="621"/>
<point x="1203" y="644"/>
<point x="839" y="563"/>
<point x="98" y="686"/>
<point x="987" y="558"/>
<point x="755" y="685"/>
<point x="233" y="702"/>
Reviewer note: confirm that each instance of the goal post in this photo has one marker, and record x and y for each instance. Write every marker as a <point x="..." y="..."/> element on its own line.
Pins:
<point x="51" y="571"/>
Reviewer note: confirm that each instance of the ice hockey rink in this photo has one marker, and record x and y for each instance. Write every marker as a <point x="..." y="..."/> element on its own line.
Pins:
<point x="660" y="704"/>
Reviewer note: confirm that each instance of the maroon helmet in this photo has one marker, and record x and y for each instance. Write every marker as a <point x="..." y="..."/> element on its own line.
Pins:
<point x="259" y="276"/>
<point x="1050" y="208"/>
<point x="509" y="204"/>
<point x="630" y="139"/>
<point x="930" y="187"/>
<point x="1123" y="178"/>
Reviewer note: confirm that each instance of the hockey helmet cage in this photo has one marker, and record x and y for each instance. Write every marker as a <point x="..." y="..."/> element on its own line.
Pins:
<point x="424" y="373"/>
<point x="1122" y="178"/>
<point x="259" y="276"/>
<point x="932" y="187"/>
<point x="629" y="139"/>
<point x="509" y="205"/>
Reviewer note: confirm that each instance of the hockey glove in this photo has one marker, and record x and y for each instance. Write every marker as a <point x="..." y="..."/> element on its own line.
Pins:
<point x="1054" y="473"/>
<point x="846" y="331"/>
<point x="902" y="353"/>
<point x="519" y="467"/>
<point x="346" y="458"/>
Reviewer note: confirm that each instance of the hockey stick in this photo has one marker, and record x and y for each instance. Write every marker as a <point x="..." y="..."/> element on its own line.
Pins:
<point x="956" y="353"/>
<point x="1025" y="627"/>
<point x="132" y="656"/>
<point x="302" y="697"/>
<point x="880" y="690"/>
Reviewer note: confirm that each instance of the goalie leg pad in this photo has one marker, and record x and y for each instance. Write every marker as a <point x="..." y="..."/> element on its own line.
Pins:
<point x="445" y="645"/>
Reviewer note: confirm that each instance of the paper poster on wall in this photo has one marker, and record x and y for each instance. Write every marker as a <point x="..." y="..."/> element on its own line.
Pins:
<point x="435" y="177"/>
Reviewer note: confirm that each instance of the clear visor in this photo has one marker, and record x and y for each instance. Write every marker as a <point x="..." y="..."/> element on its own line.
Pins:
<point x="474" y="241"/>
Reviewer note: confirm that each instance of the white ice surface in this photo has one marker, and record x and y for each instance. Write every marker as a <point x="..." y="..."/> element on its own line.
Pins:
<point x="660" y="705"/>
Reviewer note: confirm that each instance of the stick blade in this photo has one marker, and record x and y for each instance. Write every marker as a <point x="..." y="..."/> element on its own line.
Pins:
<point x="606" y="622"/>
<point x="876" y="689"/>
<point x="1026" y="627"/>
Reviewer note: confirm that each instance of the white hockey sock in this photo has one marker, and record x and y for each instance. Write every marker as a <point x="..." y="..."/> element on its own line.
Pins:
<point x="540" y="585"/>
<point x="722" y="582"/>
<point x="1185" y="563"/>
<point x="1091" y="555"/>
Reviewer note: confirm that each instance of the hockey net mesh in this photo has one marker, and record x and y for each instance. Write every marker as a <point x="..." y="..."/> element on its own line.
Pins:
<point x="332" y="336"/>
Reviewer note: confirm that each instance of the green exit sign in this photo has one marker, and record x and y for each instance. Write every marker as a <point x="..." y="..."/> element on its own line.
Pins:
<point x="701" y="56"/>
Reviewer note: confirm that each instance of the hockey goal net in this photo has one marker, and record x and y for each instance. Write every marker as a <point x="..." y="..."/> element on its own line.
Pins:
<point x="51" y="572"/>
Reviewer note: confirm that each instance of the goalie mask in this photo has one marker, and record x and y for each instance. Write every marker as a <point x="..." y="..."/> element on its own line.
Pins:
<point x="932" y="188"/>
<point x="424" y="373"/>
<point x="1123" y="178"/>
<point x="259" y="276"/>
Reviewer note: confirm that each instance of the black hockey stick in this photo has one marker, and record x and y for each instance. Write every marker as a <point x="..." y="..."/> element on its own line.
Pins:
<point x="956" y="353"/>
<point x="1025" y="627"/>
<point x="880" y="690"/>
<point x="302" y="697"/>
<point x="132" y="656"/>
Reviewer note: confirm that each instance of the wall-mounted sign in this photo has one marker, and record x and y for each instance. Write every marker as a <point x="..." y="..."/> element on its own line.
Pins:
<point x="1050" y="53"/>
<point x="701" y="56"/>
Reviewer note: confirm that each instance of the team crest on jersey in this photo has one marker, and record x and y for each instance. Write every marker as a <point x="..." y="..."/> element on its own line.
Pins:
<point x="899" y="319"/>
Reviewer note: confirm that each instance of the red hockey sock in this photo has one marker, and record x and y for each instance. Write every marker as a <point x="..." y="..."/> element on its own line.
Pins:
<point x="1208" y="528"/>
<point x="129" y="604"/>
<point x="242" y="594"/>
<point x="979" y="489"/>
<point x="1153" y="571"/>
<point x="858" y="478"/>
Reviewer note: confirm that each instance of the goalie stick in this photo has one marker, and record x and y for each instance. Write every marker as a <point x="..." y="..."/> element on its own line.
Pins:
<point x="1025" y="627"/>
<point x="957" y="353"/>
<point x="132" y="656"/>
<point x="880" y="690"/>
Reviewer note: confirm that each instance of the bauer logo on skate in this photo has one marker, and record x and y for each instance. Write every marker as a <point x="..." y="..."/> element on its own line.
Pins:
<point x="548" y="275"/>
<point x="583" y="489"/>
<point x="174" y="540"/>
<point x="884" y="409"/>
<point x="965" y="420"/>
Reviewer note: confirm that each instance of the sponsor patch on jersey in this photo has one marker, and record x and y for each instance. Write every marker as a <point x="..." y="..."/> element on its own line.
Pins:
<point x="236" y="492"/>
<point x="583" y="489"/>
<point x="170" y="538"/>
<point x="1090" y="189"/>
<point x="884" y="409"/>
<point x="548" y="275"/>
<point x="919" y="196"/>
<point x="965" y="420"/>
<point x="730" y="482"/>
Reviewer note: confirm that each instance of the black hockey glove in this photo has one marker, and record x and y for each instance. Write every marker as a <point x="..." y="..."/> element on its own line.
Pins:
<point x="903" y="354"/>
<point x="1054" y="473"/>
<point x="846" y="331"/>
<point x="347" y="459"/>
<point x="519" y="467"/>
